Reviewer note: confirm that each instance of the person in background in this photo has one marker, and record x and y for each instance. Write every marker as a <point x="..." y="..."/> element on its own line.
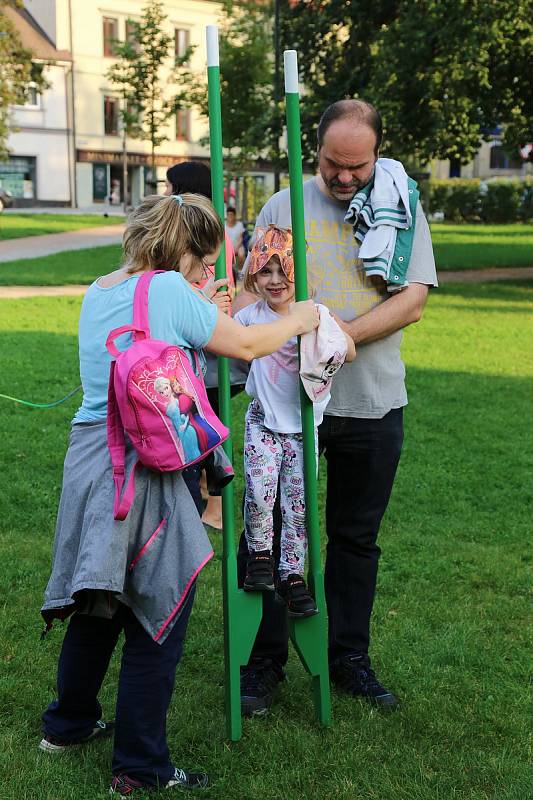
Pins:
<point x="195" y="177"/>
<point x="235" y="230"/>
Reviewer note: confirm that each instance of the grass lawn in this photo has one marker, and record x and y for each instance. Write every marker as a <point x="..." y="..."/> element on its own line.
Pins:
<point x="456" y="247"/>
<point x="13" y="226"/>
<point x="71" y="266"/>
<point x="450" y="622"/>
<point x="481" y="246"/>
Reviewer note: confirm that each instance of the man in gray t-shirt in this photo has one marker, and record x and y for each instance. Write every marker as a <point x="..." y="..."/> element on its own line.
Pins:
<point x="362" y="432"/>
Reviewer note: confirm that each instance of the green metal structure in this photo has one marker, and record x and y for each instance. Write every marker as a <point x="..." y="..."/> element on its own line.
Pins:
<point x="243" y="611"/>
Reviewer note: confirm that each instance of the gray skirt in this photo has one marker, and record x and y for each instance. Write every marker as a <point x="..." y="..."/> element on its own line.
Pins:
<point x="148" y="561"/>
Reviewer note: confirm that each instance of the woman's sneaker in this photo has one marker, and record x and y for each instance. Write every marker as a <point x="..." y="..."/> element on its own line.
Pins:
<point x="123" y="785"/>
<point x="294" y="593"/>
<point x="49" y="744"/>
<point x="259" y="572"/>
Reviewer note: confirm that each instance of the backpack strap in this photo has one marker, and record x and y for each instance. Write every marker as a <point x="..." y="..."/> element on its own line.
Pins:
<point x="140" y="303"/>
<point x="117" y="451"/>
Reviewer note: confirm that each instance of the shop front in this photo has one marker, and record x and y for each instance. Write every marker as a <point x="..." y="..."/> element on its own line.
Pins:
<point x="100" y="176"/>
<point x="18" y="176"/>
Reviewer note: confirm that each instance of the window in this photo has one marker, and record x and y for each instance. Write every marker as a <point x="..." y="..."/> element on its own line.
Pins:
<point x="503" y="159"/>
<point x="181" y="41"/>
<point x="110" y="33"/>
<point x="111" y="116"/>
<point x="17" y="175"/>
<point x="130" y="34"/>
<point x="183" y="119"/>
<point x="34" y="98"/>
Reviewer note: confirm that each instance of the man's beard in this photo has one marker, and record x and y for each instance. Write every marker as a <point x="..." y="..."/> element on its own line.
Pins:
<point x="354" y="186"/>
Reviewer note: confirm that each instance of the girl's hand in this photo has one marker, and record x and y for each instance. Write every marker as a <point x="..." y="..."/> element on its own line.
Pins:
<point x="307" y="315"/>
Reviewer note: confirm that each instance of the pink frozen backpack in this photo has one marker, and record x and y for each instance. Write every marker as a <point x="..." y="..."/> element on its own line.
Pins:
<point x="156" y="397"/>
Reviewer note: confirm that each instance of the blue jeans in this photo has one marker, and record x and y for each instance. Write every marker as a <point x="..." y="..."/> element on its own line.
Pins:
<point x="146" y="682"/>
<point x="362" y="456"/>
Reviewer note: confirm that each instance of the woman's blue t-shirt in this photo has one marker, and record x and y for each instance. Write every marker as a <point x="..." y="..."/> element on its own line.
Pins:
<point x="177" y="315"/>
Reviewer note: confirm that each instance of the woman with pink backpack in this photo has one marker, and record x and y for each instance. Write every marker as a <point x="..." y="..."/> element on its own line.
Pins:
<point x="136" y="574"/>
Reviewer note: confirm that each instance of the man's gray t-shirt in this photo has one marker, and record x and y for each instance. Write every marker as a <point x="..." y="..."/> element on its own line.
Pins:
<point x="373" y="384"/>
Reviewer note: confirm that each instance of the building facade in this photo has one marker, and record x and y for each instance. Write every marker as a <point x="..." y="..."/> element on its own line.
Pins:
<point x="67" y="146"/>
<point x="88" y="30"/>
<point x="40" y="168"/>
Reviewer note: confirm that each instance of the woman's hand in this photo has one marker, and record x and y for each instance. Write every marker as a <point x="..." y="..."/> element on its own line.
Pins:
<point x="306" y="313"/>
<point x="222" y="299"/>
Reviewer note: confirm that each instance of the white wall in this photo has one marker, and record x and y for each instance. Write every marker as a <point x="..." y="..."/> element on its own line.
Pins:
<point x="42" y="132"/>
<point x="91" y="66"/>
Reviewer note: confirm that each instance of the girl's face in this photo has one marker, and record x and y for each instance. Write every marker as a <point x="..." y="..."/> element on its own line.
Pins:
<point x="168" y="188"/>
<point x="274" y="286"/>
<point x="196" y="269"/>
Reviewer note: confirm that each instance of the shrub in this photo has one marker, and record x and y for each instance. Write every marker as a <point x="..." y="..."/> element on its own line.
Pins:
<point x="526" y="204"/>
<point x="497" y="200"/>
<point x="500" y="200"/>
<point x="457" y="198"/>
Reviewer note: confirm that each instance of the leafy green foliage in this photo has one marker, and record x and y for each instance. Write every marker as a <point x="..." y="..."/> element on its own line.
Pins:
<point x="441" y="72"/>
<point x="17" y="71"/>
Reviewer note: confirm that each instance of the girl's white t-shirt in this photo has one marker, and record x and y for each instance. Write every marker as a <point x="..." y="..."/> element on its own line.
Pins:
<point x="274" y="380"/>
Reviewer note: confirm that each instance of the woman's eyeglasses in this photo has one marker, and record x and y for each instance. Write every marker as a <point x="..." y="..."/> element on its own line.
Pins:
<point x="209" y="269"/>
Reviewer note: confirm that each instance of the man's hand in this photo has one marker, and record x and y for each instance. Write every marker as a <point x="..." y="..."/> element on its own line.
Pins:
<point x="397" y="312"/>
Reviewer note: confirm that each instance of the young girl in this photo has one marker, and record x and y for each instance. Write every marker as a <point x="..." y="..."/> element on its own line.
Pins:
<point x="273" y="446"/>
<point x="138" y="576"/>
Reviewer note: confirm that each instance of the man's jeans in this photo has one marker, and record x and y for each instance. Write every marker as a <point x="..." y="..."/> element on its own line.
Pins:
<point x="362" y="456"/>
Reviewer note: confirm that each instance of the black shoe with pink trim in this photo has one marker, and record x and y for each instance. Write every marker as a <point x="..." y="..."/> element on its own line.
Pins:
<point x="123" y="785"/>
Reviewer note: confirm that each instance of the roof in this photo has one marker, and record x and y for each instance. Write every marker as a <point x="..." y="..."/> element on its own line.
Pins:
<point x="33" y="37"/>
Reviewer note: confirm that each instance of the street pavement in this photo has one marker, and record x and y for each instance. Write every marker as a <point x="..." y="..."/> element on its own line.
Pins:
<point x="48" y="243"/>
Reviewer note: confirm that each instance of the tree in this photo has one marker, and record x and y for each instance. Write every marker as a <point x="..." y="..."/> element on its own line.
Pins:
<point x="246" y="76"/>
<point x="17" y="72"/>
<point x="441" y="72"/>
<point x="153" y="82"/>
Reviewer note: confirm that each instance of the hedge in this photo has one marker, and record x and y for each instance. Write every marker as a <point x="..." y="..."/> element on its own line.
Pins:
<point x="472" y="200"/>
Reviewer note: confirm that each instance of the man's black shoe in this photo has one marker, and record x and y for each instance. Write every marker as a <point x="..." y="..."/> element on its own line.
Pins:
<point x="259" y="572"/>
<point x="354" y="675"/>
<point x="259" y="683"/>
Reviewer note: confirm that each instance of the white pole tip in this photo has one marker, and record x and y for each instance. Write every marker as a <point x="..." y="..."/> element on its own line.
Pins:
<point x="213" y="58"/>
<point x="290" y="59"/>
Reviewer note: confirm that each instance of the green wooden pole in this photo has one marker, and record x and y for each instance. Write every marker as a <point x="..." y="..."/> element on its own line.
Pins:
<point x="242" y="612"/>
<point x="309" y="635"/>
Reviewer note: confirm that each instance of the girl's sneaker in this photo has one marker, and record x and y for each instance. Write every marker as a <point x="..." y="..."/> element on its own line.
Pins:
<point x="124" y="786"/>
<point x="259" y="572"/>
<point x="294" y="593"/>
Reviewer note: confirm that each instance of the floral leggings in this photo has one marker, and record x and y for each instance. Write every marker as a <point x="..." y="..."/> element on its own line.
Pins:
<point x="269" y="455"/>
